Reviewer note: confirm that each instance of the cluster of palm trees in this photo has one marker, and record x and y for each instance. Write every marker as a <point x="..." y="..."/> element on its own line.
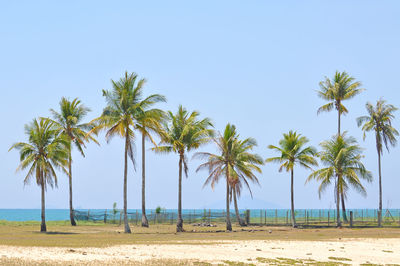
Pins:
<point x="128" y="113"/>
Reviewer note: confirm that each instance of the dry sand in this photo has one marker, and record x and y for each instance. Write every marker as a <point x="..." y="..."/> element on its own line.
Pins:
<point x="378" y="251"/>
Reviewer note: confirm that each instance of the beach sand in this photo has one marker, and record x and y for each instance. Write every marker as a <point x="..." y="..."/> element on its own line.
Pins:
<point x="258" y="252"/>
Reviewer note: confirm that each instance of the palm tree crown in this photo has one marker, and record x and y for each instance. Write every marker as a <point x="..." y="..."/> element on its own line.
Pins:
<point x="69" y="122"/>
<point x="379" y="120"/>
<point x="235" y="155"/>
<point x="292" y="152"/>
<point x="341" y="87"/>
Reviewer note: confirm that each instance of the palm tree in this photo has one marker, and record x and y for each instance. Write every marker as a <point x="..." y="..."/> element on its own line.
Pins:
<point x="342" y="87"/>
<point x="342" y="157"/>
<point x="234" y="162"/>
<point x="124" y="104"/>
<point x="45" y="151"/>
<point x="184" y="132"/>
<point x="149" y="121"/>
<point x="292" y="153"/>
<point x="69" y="123"/>
<point x="379" y="119"/>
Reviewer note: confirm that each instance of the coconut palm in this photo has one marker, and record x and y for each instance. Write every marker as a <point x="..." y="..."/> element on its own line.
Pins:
<point x="292" y="153"/>
<point x="342" y="157"/>
<point x="336" y="90"/>
<point x="184" y="133"/>
<point x="45" y="152"/>
<point x="235" y="163"/>
<point x="149" y="121"/>
<point x="69" y="123"/>
<point x="379" y="120"/>
<point x="124" y="104"/>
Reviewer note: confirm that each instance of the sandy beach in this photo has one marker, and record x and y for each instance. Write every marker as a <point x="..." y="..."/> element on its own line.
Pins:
<point x="258" y="252"/>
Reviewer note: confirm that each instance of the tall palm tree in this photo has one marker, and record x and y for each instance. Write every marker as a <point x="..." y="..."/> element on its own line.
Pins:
<point x="336" y="90"/>
<point x="292" y="152"/>
<point x="45" y="151"/>
<point x="235" y="163"/>
<point x="69" y="123"/>
<point x="342" y="157"/>
<point x="379" y="119"/>
<point x="149" y="121"/>
<point x="124" y="104"/>
<point x="183" y="133"/>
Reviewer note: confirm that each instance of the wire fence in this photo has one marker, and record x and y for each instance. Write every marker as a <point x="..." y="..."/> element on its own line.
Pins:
<point x="277" y="217"/>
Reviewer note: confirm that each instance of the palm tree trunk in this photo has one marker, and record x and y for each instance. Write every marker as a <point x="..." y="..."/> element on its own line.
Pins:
<point x="292" y="199"/>
<point x="179" y="223"/>
<point x="228" y="217"/>
<point x="339" y="113"/>
<point x="145" y="222"/>
<point x="343" y="207"/>
<point x="380" y="191"/>
<point x="43" y="224"/>
<point x="341" y="194"/>
<point x="127" y="228"/>
<point x="71" y="208"/>
<point x="338" y="223"/>
<point x="240" y="221"/>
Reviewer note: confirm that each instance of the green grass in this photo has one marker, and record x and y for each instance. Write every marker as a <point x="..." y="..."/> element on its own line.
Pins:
<point x="89" y="234"/>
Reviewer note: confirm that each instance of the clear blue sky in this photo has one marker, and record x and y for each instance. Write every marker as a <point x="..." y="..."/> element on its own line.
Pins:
<point x="256" y="64"/>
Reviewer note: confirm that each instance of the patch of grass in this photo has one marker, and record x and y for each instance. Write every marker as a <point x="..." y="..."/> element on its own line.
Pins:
<point x="286" y="261"/>
<point x="339" y="259"/>
<point x="387" y="251"/>
<point x="237" y="263"/>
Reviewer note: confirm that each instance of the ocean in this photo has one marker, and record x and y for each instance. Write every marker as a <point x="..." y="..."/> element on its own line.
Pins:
<point x="63" y="214"/>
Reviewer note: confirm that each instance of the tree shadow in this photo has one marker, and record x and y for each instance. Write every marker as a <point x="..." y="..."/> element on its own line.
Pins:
<point x="57" y="233"/>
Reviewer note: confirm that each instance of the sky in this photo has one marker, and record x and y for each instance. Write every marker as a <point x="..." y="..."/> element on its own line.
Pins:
<point x="256" y="64"/>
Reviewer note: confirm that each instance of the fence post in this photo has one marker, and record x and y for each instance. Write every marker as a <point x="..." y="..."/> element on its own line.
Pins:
<point x="88" y="215"/>
<point x="247" y="216"/>
<point x="265" y="216"/>
<point x="287" y="217"/>
<point x="105" y="216"/>
<point x="351" y="218"/>
<point x="120" y="218"/>
<point x="379" y="217"/>
<point x="328" y="217"/>
<point x="260" y="216"/>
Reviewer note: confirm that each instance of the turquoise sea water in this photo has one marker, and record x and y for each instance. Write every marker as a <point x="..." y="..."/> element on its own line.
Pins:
<point x="63" y="214"/>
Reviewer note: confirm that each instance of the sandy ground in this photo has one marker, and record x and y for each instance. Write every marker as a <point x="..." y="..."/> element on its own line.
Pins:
<point x="378" y="251"/>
